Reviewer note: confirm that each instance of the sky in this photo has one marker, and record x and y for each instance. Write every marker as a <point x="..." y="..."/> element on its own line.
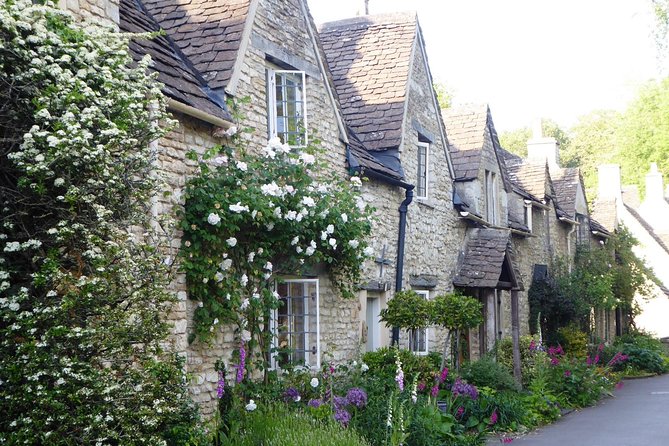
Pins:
<point x="557" y="59"/>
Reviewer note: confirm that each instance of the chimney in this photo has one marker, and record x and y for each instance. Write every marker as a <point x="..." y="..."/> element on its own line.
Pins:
<point x="654" y="185"/>
<point x="608" y="184"/>
<point x="542" y="149"/>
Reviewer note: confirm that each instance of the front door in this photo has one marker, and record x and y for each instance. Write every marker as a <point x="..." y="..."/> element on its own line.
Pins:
<point x="373" y="324"/>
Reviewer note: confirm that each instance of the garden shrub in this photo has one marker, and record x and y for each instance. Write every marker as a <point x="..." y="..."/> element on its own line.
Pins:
<point x="529" y="348"/>
<point x="382" y="364"/>
<point x="81" y="294"/>
<point x="574" y="341"/>
<point x="488" y="373"/>
<point x="645" y="353"/>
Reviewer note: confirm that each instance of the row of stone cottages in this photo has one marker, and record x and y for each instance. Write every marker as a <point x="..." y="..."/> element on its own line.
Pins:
<point x="455" y="209"/>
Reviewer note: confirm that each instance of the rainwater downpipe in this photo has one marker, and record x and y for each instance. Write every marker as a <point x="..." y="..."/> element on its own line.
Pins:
<point x="399" y="267"/>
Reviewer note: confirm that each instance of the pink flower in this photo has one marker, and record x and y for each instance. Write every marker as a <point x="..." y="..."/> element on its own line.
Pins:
<point x="533" y="345"/>
<point x="555" y="361"/>
<point x="506" y="440"/>
<point x="460" y="411"/>
<point x="434" y="391"/>
<point x="493" y="418"/>
<point x="444" y="374"/>
<point x="619" y="385"/>
<point x="567" y="373"/>
<point x="421" y="386"/>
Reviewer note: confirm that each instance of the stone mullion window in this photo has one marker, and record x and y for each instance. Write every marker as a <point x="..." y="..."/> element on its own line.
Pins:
<point x="418" y="339"/>
<point x="295" y="324"/>
<point x="287" y="106"/>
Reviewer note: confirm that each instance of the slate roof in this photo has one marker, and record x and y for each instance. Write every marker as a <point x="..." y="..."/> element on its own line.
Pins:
<point x="207" y="31"/>
<point x="606" y="213"/>
<point x="529" y="178"/>
<point x="181" y="81"/>
<point x="631" y="196"/>
<point x="484" y="256"/>
<point x="360" y="159"/>
<point x="565" y="182"/>
<point x="369" y="58"/>
<point x="465" y="130"/>
<point x="598" y="227"/>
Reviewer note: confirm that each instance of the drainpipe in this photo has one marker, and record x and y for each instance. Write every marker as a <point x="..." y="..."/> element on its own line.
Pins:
<point x="399" y="267"/>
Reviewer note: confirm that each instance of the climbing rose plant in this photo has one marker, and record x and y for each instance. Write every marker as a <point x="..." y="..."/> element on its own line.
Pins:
<point x="251" y="219"/>
<point x="82" y="289"/>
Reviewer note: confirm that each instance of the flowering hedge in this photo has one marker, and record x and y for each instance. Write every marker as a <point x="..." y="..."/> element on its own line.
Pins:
<point x="80" y="296"/>
<point x="251" y="219"/>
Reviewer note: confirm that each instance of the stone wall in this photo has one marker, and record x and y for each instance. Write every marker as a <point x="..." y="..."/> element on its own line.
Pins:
<point x="101" y="11"/>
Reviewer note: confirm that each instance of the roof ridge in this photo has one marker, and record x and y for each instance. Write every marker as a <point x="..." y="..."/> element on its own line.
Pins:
<point x="371" y="20"/>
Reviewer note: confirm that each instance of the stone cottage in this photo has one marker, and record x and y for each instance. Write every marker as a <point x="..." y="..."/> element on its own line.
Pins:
<point x="381" y="74"/>
<point x="648" y="221"/>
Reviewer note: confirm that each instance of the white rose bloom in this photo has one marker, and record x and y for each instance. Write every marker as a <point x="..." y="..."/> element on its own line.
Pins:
<point x="251" y="256"/>
<point x="333" y="243"/>
<point x="218" y="277"/>
<point x="290" y="189"/>
<point x="369" y="251"/>
<point x="232" y="131"/>
<point x="271" y="189"/>
<point x="274" y="143"/>
<point x="353" y="243"/>
<point x="231" y="242"/>
<point x="290" y="215"/>
<point x="268" y="266"/>
<point x="299" y="217"/>
<point x="213" y="219"/>
<point x="220" y="160"/>
<point x="307" y="158"/>
<point x="314" y="382"/>
<point x="241" y="165"/>
<point x="310" y="251"/>
<point x="238" y="208"/>
<point x="330" y="229"/>
<point x="246" y="335"/>
<point x="244" y="279"/>
<point x="308" y="201"/>
<point x="267" y="152"/>
<point x="364" y="367"/>
<point x="277" y="212"/>
<point x="215" y="321"/>
<point x="225" y="264"/>
<point x="324" y="235"/>
<point x="344" y="218"/>
<point x="251" y="406"/>
<point x="298" y="249"/>
<point x="356" y="181"/>
<point x="58" y="182"/>
<point x="245" y="304"/>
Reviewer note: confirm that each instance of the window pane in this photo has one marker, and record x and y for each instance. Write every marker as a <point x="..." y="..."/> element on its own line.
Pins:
<point x="289" y="107"/>
<point x="296" y="333"/>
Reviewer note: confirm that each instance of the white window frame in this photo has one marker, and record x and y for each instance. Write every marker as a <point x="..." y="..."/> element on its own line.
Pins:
<point x="426" y="330"/>
<point x="272" y="118"/>
<point x="419" y="174"/>
<point x="528" y="215"/>
<point x="274" y="360"/>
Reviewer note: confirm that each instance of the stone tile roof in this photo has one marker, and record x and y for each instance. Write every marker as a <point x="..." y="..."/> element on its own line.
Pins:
<point x="598" y="227"/>
<point x="369" y="58"/>
<point x="360" y="159"/>
<point x="565" y="182"/>
<point x="517" y="221"/>
<point x="484" y="257"/>
<point x="529" y="178"/>
<point x="465" y="130"/>
<point x="181" y="81"/>
<point x="606" y="213"/>
<point x="631" y="196"/>
<point x="207" y="31"/>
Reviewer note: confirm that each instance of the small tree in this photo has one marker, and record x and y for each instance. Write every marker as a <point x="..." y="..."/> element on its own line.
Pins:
<point x="456" y="312"/>
<point x="408" y="310"/>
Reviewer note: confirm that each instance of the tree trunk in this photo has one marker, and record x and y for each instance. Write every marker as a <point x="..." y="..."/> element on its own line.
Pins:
<point x="446" y="344"/>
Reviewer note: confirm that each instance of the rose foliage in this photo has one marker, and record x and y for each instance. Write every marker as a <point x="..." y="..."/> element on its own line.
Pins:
<point x="80" y="294"/>
<point x="251" y="219"/>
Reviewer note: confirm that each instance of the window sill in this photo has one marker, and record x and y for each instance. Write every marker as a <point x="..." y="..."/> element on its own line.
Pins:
<point x="426" y="202"/>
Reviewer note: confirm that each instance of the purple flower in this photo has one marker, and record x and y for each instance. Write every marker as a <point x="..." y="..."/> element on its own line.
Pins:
<point x="220" y="390"/>
<point x="493" y="418"/>
<point x="315" y="403"/>
<point x="460" y="411"/>
<point x="356" y="397"/>
<point x="242" y="363"/>
<point x="462" y="388"/>
<point x="506" y="440"/>
<point x="342" y="416"/>
<point x="421" y="386"/>
<point x="533" y="345"/>
<point x="444" y="374"/>
<point x="555" y="361"/>
<point x="434" y="391"/>
<point x="291" y="394"/>
<point x="567" y="373"/>
<point x="339" y="402"/>
<point x="588" y="361"/>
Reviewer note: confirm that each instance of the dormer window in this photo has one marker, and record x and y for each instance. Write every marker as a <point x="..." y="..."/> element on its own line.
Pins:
<point x="287" y="106"/>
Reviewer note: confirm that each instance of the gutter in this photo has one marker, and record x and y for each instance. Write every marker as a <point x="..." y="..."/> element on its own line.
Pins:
<point x="199" y="114"/>
<point x="472" y="217"/>
<point x="600" y="234"/>
<point x="537" y="204"/>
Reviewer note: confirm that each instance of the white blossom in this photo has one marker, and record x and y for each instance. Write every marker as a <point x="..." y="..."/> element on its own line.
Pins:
<point x="221" y="160"/>
<point x="251" y="406"/>
<point x="356" y="181"/>
<point x="213" y="219"/>
<point x="308" y="201"/>
<point x="309" y="251"/>
<point x="333" y="242"/>
<point x="251" y="256"/>
<point x="314" y="382"/>
<point x="231" y="131"/>
<point x="268" y="266"/>
<point x="330" y="229"/>
<point x="232" y="241"/>
<point x="344" y="218"/>
<point x="218" y="277"/>
<point x="244" y="279"/>
<point x="353" y="243"/>
<point x="368" y="251"/>
<point x="307" y="158"/>
<point x="241" y="165"/>
<point x="225" y="264"/>
<point x="291" y="215"/>
<point x="245" y="304"/>
<point x="271" y="189"/>
<point x="324" y="235"/>
<point x="246" y="335"/>
<point x="239" y="208"/>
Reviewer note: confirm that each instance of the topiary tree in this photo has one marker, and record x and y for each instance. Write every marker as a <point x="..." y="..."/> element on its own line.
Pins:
<point x="407" y="310"/>
<point x="81" y="294"/>
<point x="456" y="312"/>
